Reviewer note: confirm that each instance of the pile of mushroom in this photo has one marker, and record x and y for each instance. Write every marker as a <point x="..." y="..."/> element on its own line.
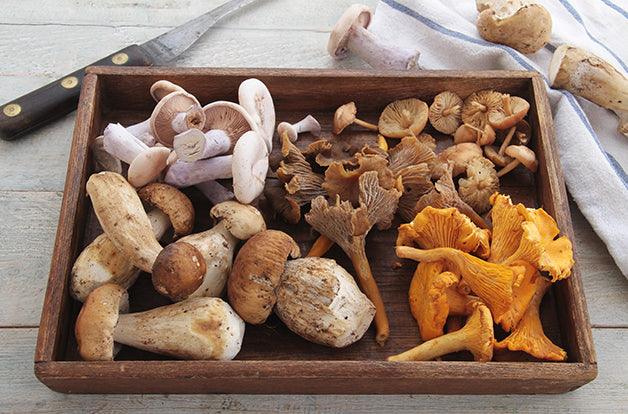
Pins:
<point x="186" y="144"/>
<point x="493" y="277"/>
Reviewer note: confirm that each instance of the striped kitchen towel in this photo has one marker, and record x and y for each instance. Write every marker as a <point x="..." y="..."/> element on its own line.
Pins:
<point x="594" y="156"/>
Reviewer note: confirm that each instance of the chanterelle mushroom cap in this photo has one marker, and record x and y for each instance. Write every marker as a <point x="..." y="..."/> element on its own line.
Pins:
<point x="256" y="273"/>
<point x="162" y="88"/>
<point x="480" y="184"/>
<point x="356" y="14"/>
<point x="507" y="230"/>
<point x="178" y="270"/>
<point x="402" y="118"/>
<point x="513" y="110"/>
<point x="479" y="106"/>
<point x="241" y="220"/>
<point x="445" y="112"/>
<point x="97" y="320"/>
<point x="176" y="205"/>
<point x="321" y="302"/>
<point x="168" y="108"/>
<point x="229" y="117"/>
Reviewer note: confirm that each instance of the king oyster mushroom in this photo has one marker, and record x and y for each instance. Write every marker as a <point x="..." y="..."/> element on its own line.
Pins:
<point x="445" y="111"/>
<point x="480" y="184"/>
<point x="403" y="117"/>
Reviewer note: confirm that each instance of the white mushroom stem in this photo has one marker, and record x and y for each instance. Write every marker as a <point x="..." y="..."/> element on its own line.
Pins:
<point x="584" y="74"/>
<point x="507" y="139"/>
<point x="193" y="144"/>
<point x="180" y="122"/>
<point x="215" y="192"/>
<point x="379" y="54"/>
<point x="307" y="124"/>
<point x="185" y="174"/>
<point x="200" y="328"/>
<point x="142" y="132"/>
<point x="120" y="143"/>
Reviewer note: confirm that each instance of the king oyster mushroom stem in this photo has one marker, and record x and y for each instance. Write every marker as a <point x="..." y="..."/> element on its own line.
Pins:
<point x="199" y="328"/>
<point x="186" y="174"/>
<point x="215" y="192"/>
<point x="307" y="124"/>
<point x="249" y="167"/>
<point x="255" y="98"/>
<point x="351" y="35"/>
<point x="215" y="247"/>
<point x="122" y="217"/>
<point x="584" y="74"/>
<point x="101" y="262"/>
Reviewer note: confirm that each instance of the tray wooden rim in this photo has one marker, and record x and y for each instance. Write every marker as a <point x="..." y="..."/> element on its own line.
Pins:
<point x="64" y="375"/>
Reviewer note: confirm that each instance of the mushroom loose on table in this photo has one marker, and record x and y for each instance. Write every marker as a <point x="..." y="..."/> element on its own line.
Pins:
<point x="348" y="226"/>
<point x="345" y="115"/>
<point x="475" y="336"/>
<point x="520" y="24"/>
<point x="199" y="328"/>
<point x="403" y="117"/>
<point x="213" y="249"/>
<point x="350" y="34"/>
<point x="587" y="75"/>
<point x="256" y="99"/>
<point x="307" y="124"/>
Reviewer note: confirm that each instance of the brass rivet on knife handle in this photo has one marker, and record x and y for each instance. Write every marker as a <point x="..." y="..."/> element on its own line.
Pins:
<point x="120" y="58"/>
<point x="12" y="110"/>
<point x="70" y="82"/>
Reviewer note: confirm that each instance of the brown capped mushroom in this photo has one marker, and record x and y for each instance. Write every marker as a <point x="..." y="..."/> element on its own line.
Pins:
<point x="445" y="112"/>
<point x="523" y="25"/>
<point x="256" y="273"/>
<point x="342" y="148"/>
<point x="522" y="155"/>
<point x="403" y="117"/>
<point x="199" y="328"/>
<point x="479" y="106"/>
<point x="348" y="226"/>
<point x="321" y="302"/>
<point x="513" y="110"/>
<point x="346" y="115"/>
<point x="350" y="34"/>
<point x="175" y="113"/>
<point x="460" y="155"/>
<point x="469" y="133"/>
<point x="480" y="184"/>
<point x="492" y="153"/>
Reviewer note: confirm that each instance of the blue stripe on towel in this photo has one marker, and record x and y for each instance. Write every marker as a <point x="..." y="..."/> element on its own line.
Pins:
<point x="577" y="16"/>
<point x="519" y="59"/>
<point x="616" y="8"/>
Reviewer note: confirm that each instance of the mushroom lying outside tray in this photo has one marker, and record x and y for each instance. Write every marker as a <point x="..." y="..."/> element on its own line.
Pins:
<point x="227" y="282"/>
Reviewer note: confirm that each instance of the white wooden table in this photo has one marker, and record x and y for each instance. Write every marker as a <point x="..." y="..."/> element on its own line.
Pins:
<point x="41" y="40"/>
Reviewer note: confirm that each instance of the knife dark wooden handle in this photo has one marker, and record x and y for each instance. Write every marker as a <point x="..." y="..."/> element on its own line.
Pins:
<point x="58" y="98"/>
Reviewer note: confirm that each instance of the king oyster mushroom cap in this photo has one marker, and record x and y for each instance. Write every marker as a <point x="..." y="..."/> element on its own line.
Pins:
<point x="147" y="166"/>
<point x="161" y="88"/>
<point x="479" y="105"/>
<point x="122" y="217"/>
<point x="444" y="114"/>
<point x="585" y="74"/>
<point x="211" y="250"/>
<point x="320" y="301"/>
<point x="174" y="113"/>
<point x="97" y="320"/>
<point x="249" y="167"/>
<point x="460" y="155"/>
<point x="480" y="184"/>
<point x="186" y="174"/>
<point x="350" y="34"/>
<point x="256" y="274"/>
<point x="520" y="24"/>
<point x="403" y="117"/>
<point x="255" y="98"/>
<point x="307" y="124"/>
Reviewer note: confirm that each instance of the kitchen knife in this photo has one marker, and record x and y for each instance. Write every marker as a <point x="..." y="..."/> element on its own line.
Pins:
<point x="60" y="97"/>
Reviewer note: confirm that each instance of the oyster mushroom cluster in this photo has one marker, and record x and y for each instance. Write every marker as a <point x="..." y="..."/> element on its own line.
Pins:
<point x="184" y="143"/>
<point x="491" y="277"/>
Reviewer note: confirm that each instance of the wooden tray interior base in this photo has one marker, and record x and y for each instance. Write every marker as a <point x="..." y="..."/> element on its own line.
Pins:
<point x="125" y="99"/>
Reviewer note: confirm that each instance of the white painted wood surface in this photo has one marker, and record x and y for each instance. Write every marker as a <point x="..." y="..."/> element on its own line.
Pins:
<point x="41" y="40"/>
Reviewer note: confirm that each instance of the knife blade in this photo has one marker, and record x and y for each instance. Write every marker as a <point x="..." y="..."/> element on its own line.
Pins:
<point x="58" y="98"/>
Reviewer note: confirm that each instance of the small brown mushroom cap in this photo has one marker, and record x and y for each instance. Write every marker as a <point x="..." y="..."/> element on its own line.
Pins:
<point x="460" y="155"/>
<point x="96" y="322"/>
<point x="479" y="106"/>
<point x="480" y="184"/>
<point x="178" y="270"/>
<point x="162" y="88"/>
<point x="445" y="112"/>
<point x="492" y="153"/>
<point x="176" y="205"/>
<point x="229" y="117"/>
<point x="342" y="148"/>
<point x="241" y="220"/>
<point x="166" y="110"/>
<point x="343" y="117"/>
<point x="402" y="118"/>
<point x="320" y="301"/>
<point x="524" y="155"/>
<point x="513" y="111"/>
<point x="356" y="14"/>
<point x="256" y="274"/>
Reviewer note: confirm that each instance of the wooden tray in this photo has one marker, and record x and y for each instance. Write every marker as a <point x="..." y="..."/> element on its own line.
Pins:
<point x="274" y="360"/>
